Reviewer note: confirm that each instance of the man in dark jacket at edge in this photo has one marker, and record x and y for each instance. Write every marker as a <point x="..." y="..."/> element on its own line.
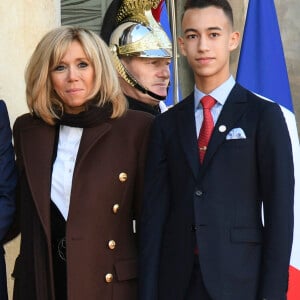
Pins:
<point x="142" y="52"/>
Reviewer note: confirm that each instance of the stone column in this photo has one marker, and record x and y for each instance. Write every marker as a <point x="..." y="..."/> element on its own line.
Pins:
<point x="23" y="23"/>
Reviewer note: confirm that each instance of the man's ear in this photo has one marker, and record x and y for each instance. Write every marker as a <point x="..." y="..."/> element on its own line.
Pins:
<point x="234" y="40"/>
<point x="181" y="45"/>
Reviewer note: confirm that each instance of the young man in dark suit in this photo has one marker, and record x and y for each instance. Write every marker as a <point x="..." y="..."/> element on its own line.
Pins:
<point x="202" y="234"/>
<point x="7" y="187"/>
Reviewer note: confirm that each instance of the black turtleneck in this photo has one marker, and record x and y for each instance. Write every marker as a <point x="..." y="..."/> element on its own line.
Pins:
<point x="138" y="105"/>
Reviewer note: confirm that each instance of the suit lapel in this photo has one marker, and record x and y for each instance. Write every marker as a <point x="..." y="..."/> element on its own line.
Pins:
<point x="37" y="143"/>
<point x="187" y="133"/>
<point x="233" y="109"/>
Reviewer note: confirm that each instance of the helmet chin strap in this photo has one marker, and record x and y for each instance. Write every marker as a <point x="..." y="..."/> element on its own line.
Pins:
<point x="157" y="97"/>
<point x="128" y="77"/>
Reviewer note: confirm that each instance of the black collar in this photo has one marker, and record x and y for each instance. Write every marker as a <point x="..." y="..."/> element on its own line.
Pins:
<point x="138" y="105"/>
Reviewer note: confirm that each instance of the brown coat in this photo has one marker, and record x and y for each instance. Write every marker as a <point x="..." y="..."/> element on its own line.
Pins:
<point x="96" y="269"/>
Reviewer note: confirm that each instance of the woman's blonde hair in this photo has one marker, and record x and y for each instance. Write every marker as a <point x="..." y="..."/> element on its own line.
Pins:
<point x="43" y="101"/>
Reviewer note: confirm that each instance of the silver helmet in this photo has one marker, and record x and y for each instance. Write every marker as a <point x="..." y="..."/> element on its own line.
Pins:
<point x="138" y="34"/>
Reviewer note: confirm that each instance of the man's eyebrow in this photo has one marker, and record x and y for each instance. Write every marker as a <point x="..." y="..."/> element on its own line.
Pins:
<point x="207" y="29"/>
<point x="190" y="29"/>
<point x="214" y="28"/>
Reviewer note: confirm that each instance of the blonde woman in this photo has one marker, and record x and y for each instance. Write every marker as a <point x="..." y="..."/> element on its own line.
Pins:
<point x="80" y="155"/>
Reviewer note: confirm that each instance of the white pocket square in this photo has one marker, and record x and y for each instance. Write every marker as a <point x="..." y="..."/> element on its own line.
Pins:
<point x="235" y="134"/>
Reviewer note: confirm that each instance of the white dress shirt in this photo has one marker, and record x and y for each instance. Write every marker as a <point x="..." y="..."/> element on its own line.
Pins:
<point x="63" y="167"/>
<point x="220" y="94"/>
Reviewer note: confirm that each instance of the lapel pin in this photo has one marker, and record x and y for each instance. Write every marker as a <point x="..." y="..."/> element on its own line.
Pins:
<point x="222" y="128"/>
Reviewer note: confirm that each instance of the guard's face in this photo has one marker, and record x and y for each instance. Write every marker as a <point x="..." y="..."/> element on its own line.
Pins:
<point x="152" y="73"/>
<point x="73" y="79"/>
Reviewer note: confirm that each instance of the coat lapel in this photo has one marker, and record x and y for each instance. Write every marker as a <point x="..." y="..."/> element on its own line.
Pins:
<point x="89" y="138"/>
<point x="37" y="144"/>
<point x="187" y="133"/>
<point x="234" y="108"/>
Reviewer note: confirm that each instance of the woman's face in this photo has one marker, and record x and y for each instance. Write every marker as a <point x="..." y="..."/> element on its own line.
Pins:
<point x="73" y="79"/>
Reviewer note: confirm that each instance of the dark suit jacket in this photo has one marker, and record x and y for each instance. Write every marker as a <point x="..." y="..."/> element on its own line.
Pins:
<point x="7" y="187"/>
<point x="217" y="205"/>
<point x="102" y="208"/>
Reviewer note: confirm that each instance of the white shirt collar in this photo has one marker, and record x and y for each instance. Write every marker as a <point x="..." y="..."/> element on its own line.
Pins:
<point x="220" y="93"/>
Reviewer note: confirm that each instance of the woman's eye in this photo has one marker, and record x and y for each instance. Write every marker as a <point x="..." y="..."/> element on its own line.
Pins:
<point x="83" y="64"/>
<point x="59" y="68"/>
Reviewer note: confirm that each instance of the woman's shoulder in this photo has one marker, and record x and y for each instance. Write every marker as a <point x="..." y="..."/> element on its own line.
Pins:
<point x="139" y="114"/>
<point x="25" y="118"/>
<point x="28" y="120"/>
<point x="137" y="117"/>
<point x="132" y="122"/>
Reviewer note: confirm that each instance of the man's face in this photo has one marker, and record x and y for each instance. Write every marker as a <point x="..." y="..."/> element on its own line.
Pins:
<point x="151" y="73"/>
<point x="207" y="42"/>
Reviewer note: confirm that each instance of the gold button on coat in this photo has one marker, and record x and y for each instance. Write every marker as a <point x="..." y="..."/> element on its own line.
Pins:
<point x="111" y="244"/>
<point x="122" y="177"/>
<point x="116" y="208"/>
<point x="109" y="277"/>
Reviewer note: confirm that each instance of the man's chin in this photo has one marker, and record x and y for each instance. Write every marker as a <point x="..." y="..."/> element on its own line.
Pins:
<point x="160" y="92"/>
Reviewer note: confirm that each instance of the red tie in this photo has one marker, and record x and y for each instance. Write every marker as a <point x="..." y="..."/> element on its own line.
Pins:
<point x="207" y="125"/>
